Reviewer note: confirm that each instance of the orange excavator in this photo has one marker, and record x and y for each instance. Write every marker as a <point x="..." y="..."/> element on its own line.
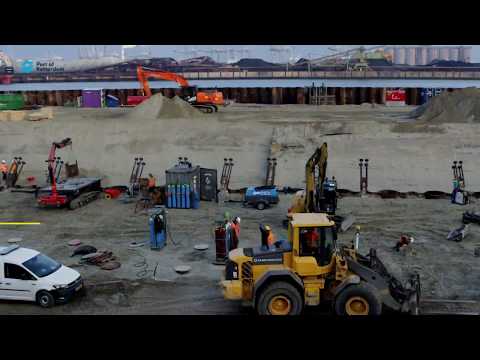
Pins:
<point x="207" y="101"/>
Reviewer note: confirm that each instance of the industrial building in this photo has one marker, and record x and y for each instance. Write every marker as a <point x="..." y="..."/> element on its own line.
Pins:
<point x="424" y="55"/>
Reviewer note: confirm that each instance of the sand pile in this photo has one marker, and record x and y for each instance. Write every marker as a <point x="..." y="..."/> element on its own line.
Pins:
<point x="159" y="106"/>
<point x="457" y="106"/>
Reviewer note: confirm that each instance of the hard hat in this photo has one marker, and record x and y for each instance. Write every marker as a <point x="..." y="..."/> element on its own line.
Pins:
<point x="4" y="162"/>
<point x="237" y="219"/>
<point x="268" y="228"/>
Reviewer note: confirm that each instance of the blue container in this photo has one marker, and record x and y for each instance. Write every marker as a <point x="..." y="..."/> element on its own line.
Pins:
<point x="158" y="229"/>
<point x="92" y="98"/>
<point x="169" y="196"/>
<point x="179" y="202"/>
<point x="112" y="101"/>
<point x="187" y="196"/>
<point x="174" y="196"/>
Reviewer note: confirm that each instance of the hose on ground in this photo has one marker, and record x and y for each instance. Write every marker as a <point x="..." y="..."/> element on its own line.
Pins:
<point x="142" y="265"/>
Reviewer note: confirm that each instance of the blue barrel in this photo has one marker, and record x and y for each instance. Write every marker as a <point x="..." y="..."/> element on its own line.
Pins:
<point x="182" y="197"/>
<point x="174" y="196"/>
<point x="169" y="196"/>
<point x="196" y="200"/>
<point x="187" y="196"/>
<point x="179" y="202"/>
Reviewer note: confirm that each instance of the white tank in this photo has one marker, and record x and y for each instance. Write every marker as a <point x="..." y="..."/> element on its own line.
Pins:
<point x="465" y="54"/>
<point x="432" y="54"/>
<point x="453" y="53"/>
<point x="399" y="55"/>
<point x="420" y="55"/>
<point x="444" y="53"/>
<point x="410" y="55"/>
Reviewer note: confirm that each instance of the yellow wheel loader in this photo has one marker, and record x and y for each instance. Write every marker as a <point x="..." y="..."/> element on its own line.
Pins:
<point x="309" y="269"/>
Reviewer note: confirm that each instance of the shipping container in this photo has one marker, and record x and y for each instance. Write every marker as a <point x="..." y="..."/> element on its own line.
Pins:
<point x="92" y="98"/>
<point x="208" y="184"/>
<point x="11" y="102"/>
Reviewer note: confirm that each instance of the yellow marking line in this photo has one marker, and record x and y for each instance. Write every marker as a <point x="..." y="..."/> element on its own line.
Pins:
<point x="6" y="223"/>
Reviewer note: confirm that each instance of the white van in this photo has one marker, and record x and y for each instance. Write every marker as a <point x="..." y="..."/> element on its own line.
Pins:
<point x="28" y="275"/>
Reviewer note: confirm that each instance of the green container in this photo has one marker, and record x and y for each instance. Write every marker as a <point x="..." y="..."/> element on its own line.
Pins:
<point x="11" y="102"/>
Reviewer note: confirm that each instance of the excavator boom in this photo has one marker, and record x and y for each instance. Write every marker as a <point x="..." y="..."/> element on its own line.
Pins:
<point x="144" y="74"/>
<point x="318" y="159"/>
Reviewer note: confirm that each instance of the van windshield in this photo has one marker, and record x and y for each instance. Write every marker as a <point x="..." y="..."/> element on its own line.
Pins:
<point x="41" y="265"/>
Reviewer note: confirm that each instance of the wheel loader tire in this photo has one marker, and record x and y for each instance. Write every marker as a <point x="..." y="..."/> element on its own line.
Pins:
<point x="358" y="299"/>
<point x="279" y="298"/>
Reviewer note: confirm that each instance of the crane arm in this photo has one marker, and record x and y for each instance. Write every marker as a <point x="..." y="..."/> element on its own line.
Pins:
<point x="319" y="158"/>
<point x="144" y="74"/>
<point x="51" y="158"/>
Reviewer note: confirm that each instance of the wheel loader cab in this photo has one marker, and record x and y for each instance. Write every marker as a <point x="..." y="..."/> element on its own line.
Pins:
<point x="313" y="237"/>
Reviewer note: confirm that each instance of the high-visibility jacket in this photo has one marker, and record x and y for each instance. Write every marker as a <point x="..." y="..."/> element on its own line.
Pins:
<point x="270" y="238"/>
<point x="236" y="228"/>
<point x="3" y="168"/>
<point x="151" y="182"/>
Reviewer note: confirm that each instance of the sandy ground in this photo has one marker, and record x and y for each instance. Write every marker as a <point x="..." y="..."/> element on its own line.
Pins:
<point x="448" y="270"/>
<point x="404" y="156"/>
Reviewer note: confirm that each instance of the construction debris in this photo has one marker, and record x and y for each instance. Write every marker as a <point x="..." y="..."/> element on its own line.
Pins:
<point x="182" y="269"/>
<point x="74" y="242"/>
<point x="459" y="234"/>
<point x="84" y="250"/>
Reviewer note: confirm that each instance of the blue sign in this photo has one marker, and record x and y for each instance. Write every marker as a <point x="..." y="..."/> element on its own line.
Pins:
<point x="27" y="66"/>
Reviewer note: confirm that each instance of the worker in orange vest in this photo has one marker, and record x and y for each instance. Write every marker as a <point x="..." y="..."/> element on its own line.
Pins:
<point x="235" y="226"/>
<point x="268" y="239"/>
<point x="4" y="170"/>
<point x="151" y="183"/>
<point x="271" y="237"/>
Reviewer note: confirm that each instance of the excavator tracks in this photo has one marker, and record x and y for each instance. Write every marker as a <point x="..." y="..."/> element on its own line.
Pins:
<point x="208" y="109"/>
<point x="84" y="199"/>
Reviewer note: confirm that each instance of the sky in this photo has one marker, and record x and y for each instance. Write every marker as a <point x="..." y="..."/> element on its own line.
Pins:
<point x="70" y="52"/>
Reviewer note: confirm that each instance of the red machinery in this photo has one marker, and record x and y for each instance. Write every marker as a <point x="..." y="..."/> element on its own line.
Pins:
<point x="54" y="199"/>
<point x="207" y="101"/>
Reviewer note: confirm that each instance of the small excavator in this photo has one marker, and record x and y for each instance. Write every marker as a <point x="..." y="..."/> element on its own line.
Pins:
<point x="73" y="192"/>
<point x="320" y="194"/>
<point x="206" y="101"/>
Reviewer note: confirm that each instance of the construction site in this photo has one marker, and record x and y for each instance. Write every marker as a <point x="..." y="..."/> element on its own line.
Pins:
<point x="203" y="205"/>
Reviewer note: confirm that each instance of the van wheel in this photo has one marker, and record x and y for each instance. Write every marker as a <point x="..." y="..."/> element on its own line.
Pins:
<point x="359" y="299"/>
<point x="260" y="206"/>
<point x="280" y="298"/>
<point x="45" y="299"/>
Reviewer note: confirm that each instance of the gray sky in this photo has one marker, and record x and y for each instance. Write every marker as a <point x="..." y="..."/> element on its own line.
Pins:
<point x="262" y="51"/>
